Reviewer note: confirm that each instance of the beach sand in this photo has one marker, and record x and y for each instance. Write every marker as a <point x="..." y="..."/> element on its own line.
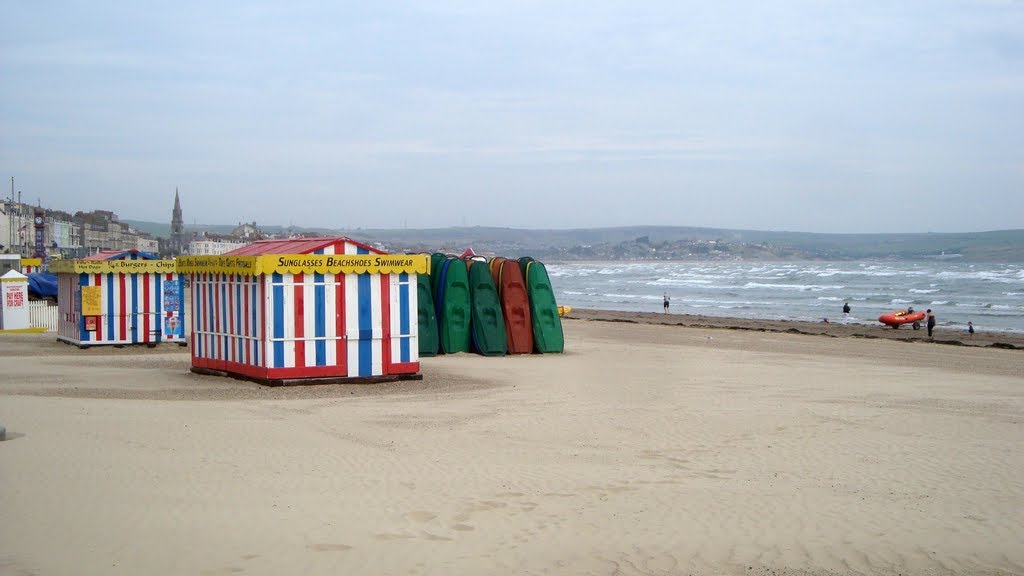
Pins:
<point x="644" y="449"/>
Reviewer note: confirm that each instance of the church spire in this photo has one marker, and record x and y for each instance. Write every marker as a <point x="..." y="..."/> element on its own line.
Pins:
<point x="177" y="227"/>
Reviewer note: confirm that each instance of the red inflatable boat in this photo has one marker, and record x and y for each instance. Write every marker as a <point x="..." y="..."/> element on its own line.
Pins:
<point x="897" y="319"/>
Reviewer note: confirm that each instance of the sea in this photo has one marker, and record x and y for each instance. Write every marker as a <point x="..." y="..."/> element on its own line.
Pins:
<point x="989" y="295"/>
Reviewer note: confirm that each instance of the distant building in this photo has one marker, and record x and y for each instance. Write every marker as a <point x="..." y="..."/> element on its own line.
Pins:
<point x="68" y="236"/>
<point x="148" y="244"/>
<point x="213" y="244"/>
<point x="102" y="230"/>
<point x="18" y="226"/>
<point x="248" y="232"/>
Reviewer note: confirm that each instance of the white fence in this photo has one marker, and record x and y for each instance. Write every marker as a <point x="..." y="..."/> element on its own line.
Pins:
<point x="42" y="315"/>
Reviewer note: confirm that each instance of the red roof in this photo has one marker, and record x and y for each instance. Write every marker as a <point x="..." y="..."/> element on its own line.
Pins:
<point x="120" y="255"/>
<point x="294" y="246"/>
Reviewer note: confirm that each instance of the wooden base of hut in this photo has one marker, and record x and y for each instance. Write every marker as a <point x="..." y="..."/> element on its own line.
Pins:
<point x="308" y="381"/>
<point x="83" y="344"/>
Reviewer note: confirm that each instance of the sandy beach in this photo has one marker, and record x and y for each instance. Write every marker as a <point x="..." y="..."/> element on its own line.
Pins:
<point x="654" y="445"/>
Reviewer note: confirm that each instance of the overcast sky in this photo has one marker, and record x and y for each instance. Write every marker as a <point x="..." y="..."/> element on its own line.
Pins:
<point x="850" y="116"/>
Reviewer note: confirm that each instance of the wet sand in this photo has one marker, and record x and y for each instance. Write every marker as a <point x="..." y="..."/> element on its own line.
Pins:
<point x="833" y="328"/>
<point x="649" y="447"/>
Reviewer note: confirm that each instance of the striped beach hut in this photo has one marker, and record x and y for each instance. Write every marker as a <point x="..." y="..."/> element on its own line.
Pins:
<point x="301" y="311"/>
<point x="31" y="265"/>
<point x="119" y="297"/>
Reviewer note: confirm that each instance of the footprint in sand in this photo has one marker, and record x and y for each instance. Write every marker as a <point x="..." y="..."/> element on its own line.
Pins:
<point x="392" y="536"/>
<point x="329" y="547"/>
<point x="420" y="516"/>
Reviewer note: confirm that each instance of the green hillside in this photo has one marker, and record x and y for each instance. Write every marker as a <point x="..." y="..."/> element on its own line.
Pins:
<point x="668" y="242"/>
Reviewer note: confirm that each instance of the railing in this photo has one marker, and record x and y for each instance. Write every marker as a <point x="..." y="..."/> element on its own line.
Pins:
<point x="42" y="315"/>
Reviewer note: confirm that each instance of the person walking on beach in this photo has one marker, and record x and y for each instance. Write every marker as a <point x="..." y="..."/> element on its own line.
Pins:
<point x="931" y="321"/>
<point x="665" y="303"/>
<point x="846" y="312"/>
<point x="970" y="329"/>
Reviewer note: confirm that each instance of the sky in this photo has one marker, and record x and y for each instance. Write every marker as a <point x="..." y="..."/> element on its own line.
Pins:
<point x="804" y="115"/>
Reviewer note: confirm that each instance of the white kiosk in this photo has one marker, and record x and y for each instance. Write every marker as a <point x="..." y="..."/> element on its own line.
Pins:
<point x="14" y="301"/>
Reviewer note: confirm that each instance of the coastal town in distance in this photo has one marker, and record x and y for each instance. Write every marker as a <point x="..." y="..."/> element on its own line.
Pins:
<point x="35" y="231"/>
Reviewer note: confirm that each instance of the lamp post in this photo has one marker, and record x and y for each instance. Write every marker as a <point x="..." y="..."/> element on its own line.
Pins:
<point x="10" y="219"/>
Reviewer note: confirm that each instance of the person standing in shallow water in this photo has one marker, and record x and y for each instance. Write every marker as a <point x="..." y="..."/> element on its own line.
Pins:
<point x="846" y="312"/>
<point x="665" y="303"/>
<point x="931" y="321"/>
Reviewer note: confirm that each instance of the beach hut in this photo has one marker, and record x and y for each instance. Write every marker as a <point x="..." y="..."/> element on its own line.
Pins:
<point x="119" y="297"/>
<point x="305" y="310"/>
<point x="31" y="265"/>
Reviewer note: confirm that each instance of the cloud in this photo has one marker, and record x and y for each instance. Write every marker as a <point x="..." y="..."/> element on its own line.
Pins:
<point x="730" y="113"/>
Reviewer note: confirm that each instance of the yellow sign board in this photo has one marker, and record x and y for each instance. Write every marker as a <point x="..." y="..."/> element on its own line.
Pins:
<point x="92" y="300"/>
<point x="245" y="265"/>
<point x="31" y="262"/>
<point x="113" y="266"/>
<point x="306" y="264"/>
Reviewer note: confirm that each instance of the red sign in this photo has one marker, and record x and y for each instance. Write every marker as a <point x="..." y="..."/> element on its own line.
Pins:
<point x="15" y="297"/>
<point x="90" y="323"/>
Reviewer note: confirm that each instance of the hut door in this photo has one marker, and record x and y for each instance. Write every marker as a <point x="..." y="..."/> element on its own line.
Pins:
<point x="364" y="329"/>
<point x="136" y="305"/>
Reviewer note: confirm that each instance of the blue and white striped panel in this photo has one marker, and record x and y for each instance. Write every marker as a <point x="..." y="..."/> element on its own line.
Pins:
<point x="155" y="324"/>
<point x="363" y="325"/>
<point x="404" y="319"/>
<point x="197" y="315"/>
<point x="325" y="309"/>
<point x="321" y="308"/>
<point x="111" y="305"/>
<point x="223" y="318"/>
<point x="282" y="316"/>
<point x="312" y="324"/>
<point x="211" y="315"/>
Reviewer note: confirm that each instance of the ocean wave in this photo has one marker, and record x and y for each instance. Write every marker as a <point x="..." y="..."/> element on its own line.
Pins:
<point x="900" y="301"/>
<point x="800" y="287"/>
<point x="830" y="298"/>
<point x="632" y="296"/>
<point x="922" y="291"/>
<point x="713" y="302"/>
<point x="985" y="276"/>
<point x="680" y="282"/>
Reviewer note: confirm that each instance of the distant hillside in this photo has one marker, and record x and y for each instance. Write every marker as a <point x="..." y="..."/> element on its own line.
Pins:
<point x="670" y="242"/>
<point x="997" y="246"/>
<point x="163" y="229"/>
